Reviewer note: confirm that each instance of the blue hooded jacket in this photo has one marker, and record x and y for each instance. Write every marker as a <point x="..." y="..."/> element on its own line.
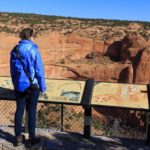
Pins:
<point x="32" y="60"/>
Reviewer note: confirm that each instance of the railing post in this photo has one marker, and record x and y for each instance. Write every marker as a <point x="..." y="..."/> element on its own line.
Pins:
<point x="148" y="119"/>
<point x="87" y="121"/>
<point x="86" y="102"/>
<point x="62" y="117"/>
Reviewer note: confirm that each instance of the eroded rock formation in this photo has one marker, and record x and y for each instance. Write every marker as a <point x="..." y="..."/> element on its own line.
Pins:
<point x="74" y="56"/>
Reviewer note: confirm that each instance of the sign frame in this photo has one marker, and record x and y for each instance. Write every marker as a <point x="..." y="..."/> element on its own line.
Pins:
<point x="79" y="102"/>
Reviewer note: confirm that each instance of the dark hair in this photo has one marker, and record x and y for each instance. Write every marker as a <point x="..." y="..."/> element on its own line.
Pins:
<point x="26" y="33"/>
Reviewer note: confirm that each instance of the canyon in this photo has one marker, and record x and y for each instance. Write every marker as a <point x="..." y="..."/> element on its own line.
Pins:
<point x="122" y="59"/>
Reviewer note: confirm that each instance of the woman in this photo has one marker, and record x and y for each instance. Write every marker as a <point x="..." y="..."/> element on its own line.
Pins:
<point x="31" y="61"/>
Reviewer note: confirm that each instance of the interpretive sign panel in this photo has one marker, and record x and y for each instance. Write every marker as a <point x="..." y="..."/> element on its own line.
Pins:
<point x="65" y="91"/>
<point x="120" y="95"/>
<point x="61" y="91"/>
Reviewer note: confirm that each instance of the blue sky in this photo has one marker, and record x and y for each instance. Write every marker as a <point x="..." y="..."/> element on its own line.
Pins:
<point x="102" y="9"/>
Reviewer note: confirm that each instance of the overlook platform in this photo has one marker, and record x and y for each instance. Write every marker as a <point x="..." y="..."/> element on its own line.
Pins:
<point x="70" y="141"/>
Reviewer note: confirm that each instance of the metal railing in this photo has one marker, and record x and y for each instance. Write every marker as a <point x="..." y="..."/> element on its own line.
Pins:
<point x="70" y="118"/>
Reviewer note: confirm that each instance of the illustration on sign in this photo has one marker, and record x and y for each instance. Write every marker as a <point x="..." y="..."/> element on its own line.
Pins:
<point x="64" y="90"/>
<point x="120" y="95"/>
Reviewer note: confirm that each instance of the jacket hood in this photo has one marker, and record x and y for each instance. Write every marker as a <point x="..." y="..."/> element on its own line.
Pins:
<point x="25" y="47"/>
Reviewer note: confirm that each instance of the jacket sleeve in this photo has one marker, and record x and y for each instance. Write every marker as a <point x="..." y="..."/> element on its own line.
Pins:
<point x="39" y="71"/>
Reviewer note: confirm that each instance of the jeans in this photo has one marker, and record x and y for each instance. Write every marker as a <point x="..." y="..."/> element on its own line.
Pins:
<point x="30" y="101"/>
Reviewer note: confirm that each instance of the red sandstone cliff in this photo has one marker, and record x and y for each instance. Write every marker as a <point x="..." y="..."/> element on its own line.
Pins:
<point x="78" y="50"/>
